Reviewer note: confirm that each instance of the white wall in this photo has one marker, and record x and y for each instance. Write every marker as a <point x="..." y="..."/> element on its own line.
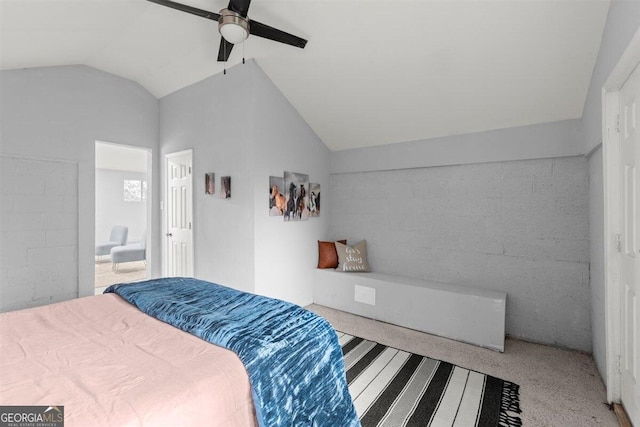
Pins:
<point x="58" y="113"/>
<point x="286" y="252"/>
<point x="596" y="255"/>
<point x="518" y="226"/>
<point x="504" y="209"/>
<point x="111" y="209"/>
<point x="546" y="140"/>
<point x="240" y="125"/>
<point x="213" y="117"/>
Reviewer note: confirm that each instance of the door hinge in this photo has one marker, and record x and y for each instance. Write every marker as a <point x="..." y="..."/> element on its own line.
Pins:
<point x="619" y="242"/>
<point x="189" y="226"/>
<point x="618" y="123"/>
<point x="619" y="363"/>
<point x="190" y="168"/>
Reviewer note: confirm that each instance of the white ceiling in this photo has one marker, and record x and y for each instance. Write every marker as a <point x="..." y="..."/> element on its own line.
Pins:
<point x="373" y="72"/>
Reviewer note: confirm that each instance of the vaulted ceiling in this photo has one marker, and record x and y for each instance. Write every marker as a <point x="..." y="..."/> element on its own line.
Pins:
<point x="373" y="72"/>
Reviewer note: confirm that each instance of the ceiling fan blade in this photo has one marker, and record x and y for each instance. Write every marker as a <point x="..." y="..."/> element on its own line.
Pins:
<point x="183" y="7"/>
<point x="261" y="30"/>
<point x="225" y="50"/>
<point x="239" y="6"/>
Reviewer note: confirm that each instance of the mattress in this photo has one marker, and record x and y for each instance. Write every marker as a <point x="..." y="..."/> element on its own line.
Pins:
<point x="109" y="364"/>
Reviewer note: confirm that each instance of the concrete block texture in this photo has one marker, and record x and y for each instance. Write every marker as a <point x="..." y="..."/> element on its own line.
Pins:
<point x="521" y="227"/>
<point x="39" y="232"/>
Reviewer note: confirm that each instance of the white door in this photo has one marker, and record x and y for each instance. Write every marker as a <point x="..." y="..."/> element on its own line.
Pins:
<point x="179" y="233"/>
<point x="629" y="245"/>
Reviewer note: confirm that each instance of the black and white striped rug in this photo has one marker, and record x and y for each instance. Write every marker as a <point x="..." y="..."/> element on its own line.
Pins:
<point x="394" y="388"/>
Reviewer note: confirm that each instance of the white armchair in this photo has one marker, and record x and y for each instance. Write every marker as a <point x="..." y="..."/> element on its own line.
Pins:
<point x="133" y="252"/>
<point x="118" y="237"/>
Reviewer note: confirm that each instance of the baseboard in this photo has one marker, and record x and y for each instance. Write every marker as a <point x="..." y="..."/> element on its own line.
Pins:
<point x="621" y="414"/>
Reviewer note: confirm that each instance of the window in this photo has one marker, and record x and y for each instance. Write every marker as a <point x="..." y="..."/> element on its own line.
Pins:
<point x="135" y="190"/>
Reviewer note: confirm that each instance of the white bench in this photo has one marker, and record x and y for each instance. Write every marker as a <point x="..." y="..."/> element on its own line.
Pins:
<point x="474" y="316"/>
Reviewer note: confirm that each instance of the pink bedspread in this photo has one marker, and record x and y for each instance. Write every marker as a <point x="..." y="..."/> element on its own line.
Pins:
<point x="109" y="364"/>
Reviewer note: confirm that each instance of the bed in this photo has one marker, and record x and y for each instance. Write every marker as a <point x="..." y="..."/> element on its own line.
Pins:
<point x="109" y="361"/>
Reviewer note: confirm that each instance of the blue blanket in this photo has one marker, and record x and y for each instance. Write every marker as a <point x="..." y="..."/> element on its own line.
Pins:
<point x="292" y="356"/>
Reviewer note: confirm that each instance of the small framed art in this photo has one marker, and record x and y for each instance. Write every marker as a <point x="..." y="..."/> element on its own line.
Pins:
<point x="225" y="187"/>
<point x="209" y="183"/>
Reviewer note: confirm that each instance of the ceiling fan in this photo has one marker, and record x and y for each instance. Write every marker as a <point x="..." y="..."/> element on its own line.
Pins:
<point x="235" y="27"/>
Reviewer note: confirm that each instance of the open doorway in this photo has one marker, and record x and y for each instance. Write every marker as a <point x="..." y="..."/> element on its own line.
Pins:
<point x="122" y="180"/>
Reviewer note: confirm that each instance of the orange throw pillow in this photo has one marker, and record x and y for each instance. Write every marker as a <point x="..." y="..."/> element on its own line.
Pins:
<point x="327" y="255"/>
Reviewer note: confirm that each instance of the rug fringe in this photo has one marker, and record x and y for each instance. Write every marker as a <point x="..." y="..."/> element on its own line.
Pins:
<point x="511" y="397"/>
<point x="510" y="403"/>
<point x="509" y="421"/>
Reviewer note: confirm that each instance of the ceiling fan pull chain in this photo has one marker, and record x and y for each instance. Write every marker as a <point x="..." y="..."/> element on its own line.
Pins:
<point x="243" y="53"/>
<point x="224" y="70"/>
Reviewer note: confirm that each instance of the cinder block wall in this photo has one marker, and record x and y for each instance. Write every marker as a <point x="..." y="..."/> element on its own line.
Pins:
<point x="521" y="227"/>
<point x="38" y="232"/>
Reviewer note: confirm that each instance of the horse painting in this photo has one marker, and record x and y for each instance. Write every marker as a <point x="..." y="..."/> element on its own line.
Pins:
<point x="297" y="187"/>
<point x="279" y="201"/>
<point x="291" y="203"/>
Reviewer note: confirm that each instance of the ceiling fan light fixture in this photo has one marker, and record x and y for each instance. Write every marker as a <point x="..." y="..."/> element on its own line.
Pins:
<point x="232" y="26"/>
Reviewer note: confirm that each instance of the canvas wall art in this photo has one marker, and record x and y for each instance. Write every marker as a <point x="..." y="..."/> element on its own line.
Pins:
<point x="297" y="196"/>
<point x="209" y="183"/>
<point x="225" y="187"/>
<point x="314" y="200"/>
<point x="277" y="200"/>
